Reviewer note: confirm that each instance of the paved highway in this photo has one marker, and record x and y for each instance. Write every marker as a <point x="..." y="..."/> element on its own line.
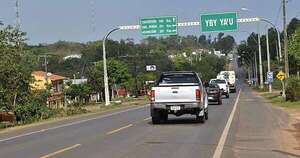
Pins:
<point x="125" y="134"/>
<point x="244" y="126"/>
<point x="130" y="134"/>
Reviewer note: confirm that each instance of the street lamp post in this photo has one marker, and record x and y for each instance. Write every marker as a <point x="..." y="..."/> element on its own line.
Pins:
<point x="105" y="76"/>
<point x="268" y="52"/>
<point x="278" y="36"/>
<point x="268" y="56"/>
<point x="260" y="59"/>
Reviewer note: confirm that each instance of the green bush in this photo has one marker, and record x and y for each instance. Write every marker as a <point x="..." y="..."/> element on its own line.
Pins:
<point x="2" y="125"/>
<point x="32" y="112"/>
<point x="277" y="84"/>
<point x="293" y="89"/>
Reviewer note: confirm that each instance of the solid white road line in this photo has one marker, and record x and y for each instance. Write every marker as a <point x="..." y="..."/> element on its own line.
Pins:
<point x="219" y="149"/>
<point x="70" y="124"/>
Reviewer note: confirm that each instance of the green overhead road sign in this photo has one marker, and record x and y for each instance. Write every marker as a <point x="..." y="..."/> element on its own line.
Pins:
<point x="219" y="22"/>
<point x="159" y="26"/>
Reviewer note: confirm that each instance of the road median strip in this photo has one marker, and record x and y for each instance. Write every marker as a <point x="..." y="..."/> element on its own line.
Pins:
<point x="60" y="151"/>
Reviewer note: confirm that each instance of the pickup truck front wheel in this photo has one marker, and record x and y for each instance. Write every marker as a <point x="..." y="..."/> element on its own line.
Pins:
<point x="200" y="119"/>
<point x="206" y="114"/>
<point x="227" y="95"/>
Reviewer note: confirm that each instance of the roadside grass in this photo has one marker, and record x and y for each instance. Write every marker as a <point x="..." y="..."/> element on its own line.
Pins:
<point x="276" y="99"/>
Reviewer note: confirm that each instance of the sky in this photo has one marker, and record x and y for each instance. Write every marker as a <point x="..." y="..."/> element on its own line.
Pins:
<point x="47" y="21"/>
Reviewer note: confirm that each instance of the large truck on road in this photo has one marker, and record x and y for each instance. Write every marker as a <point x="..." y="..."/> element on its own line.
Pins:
<point x="231" y="79"/>
<point x="178" y="93"/>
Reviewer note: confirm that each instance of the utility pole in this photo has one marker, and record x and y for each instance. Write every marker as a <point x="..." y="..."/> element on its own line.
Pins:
<point x="268" y="56"/>
<point x="46" y="65"/>
<point x="256" y="71"/>
<point x="261" y="76"/>
<point x="286" y="58"/>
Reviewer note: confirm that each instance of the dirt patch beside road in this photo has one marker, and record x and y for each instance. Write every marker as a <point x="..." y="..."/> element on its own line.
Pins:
<point x="289" y="136"/>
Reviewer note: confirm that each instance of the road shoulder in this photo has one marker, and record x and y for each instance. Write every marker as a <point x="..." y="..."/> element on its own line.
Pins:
<point x="289" y="137"/>
<point x="255" y="129"/>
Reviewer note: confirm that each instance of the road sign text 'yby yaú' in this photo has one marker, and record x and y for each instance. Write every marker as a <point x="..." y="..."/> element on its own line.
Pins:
<point x="219" y="22"/>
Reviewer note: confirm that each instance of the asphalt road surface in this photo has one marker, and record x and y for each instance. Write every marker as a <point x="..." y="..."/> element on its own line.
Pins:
<point x="244" y="126"/>
<point x="130" y="134"/>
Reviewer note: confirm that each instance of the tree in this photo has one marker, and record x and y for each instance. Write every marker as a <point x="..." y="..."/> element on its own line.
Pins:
<point x="292" y="27"/>
<point x="80" y="91"/>
<point x="202" y="41"/>
<point x="294" y="49"/>
<point x="95" y="78"/>
<point x="118" y="74"/>
<point x="220" y="35"/>
<point x="225" y="44"/>
<point x="16" y="65"/>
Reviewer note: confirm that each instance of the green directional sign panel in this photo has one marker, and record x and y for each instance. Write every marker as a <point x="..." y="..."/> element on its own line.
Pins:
<point x="219" y="22"/>
<point x="159" y="26"/>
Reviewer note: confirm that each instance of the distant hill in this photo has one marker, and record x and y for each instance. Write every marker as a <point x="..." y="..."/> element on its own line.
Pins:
<point x="60" y="48"/>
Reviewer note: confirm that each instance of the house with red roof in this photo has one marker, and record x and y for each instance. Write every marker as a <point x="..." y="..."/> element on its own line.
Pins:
<point x="56" y="83"/>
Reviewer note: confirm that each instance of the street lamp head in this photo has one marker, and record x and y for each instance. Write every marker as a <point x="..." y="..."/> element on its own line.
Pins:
<point x="245" y="9"/>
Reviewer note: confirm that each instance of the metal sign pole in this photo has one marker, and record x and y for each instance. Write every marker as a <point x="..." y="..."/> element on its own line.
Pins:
<point x="268" y="58"/>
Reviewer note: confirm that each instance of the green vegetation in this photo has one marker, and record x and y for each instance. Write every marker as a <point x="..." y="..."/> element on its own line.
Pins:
<point x="126" y="69"/>
<point x="14" y="75"/>
<point x="294" y="46"/>
<point x="80" y="92"/>
<point x="247" y="49"/>
<point x="277" y="100"/>
<point x="293" y="89"/>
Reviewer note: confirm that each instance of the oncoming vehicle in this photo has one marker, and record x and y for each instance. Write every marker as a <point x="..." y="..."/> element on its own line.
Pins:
<point x="214" y="93"/>
<point x="223" y="84"/>
<point x="178" y="93"/>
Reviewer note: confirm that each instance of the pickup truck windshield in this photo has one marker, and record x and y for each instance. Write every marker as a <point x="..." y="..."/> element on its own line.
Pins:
<point x="178" y="78"/>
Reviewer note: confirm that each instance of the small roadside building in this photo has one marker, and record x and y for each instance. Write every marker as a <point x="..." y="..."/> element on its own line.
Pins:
<point x="42" y="79"/>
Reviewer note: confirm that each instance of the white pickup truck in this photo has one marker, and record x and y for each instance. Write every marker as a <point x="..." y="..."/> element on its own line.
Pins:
<point x="178" y="93"/>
